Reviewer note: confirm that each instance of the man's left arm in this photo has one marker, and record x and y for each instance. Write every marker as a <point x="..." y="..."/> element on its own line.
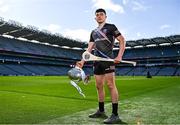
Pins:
<point x="122" y="46"/>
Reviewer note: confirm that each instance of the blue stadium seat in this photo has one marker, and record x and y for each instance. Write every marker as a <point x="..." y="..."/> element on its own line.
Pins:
<point x="27" y="58"/>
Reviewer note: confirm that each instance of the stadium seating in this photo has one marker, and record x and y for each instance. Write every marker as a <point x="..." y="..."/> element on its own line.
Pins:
<point x="19" y="57"/>
<point x="177" y="72"/>
<point x="24" y="69"/>
<point x="15" y="45"/>
<point x="165" y="51"/>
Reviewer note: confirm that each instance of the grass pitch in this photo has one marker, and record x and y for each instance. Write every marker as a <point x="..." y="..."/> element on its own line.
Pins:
<point x="51" y="99"/>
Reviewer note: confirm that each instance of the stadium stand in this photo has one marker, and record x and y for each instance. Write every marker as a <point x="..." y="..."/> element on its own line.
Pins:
<point x="29" y="51"/>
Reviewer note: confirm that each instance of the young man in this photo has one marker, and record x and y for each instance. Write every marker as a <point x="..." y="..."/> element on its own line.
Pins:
<point x="102" y="41"/>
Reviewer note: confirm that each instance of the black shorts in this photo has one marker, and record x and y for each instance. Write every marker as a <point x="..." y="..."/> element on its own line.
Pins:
<point x="101" y="68"/>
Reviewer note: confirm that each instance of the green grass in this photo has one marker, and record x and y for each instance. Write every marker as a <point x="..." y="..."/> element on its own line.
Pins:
<point x="38" y="99"/>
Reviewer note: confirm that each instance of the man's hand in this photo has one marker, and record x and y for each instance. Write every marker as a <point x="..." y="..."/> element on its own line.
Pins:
<point x="80" y="64"/>
<point x="117" y="59"/>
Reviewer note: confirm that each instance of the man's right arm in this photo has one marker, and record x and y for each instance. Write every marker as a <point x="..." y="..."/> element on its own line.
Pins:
<point x="80" y="64"/>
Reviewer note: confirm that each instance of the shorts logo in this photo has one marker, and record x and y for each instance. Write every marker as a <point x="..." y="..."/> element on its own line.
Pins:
<point x="107" y="69"/>
<point x="110" y="68"/>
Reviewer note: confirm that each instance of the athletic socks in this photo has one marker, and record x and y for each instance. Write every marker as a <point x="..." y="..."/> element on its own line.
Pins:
<point x="101" y="106"/>
<point x="115" y="109"/>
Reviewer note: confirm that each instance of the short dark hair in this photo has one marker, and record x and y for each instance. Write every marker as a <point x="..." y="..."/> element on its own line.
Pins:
<point x="100" y="10"/>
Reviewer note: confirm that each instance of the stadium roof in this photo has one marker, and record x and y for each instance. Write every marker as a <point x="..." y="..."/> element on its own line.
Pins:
<point x="157" y="41"/>
<point x="17" y="30"/>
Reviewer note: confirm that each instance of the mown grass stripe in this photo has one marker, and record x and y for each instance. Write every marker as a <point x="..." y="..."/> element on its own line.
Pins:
<point x="158" y="107"/>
